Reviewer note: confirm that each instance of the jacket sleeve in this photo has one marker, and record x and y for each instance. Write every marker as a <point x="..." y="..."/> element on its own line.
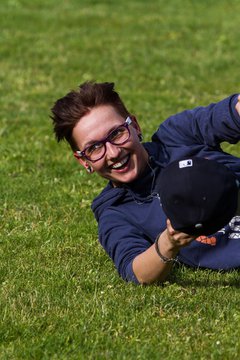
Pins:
<point x="122" y="241"/>
<point x="208" y="126"/>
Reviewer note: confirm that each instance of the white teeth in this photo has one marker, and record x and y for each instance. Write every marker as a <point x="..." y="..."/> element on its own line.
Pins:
<point x="120" y="163"/>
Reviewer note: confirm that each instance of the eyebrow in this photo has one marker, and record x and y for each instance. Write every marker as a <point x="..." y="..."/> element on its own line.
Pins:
<point x="91" y="142"/>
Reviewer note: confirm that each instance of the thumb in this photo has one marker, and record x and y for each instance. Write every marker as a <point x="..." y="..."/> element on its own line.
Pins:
<point x="170" y="229"/>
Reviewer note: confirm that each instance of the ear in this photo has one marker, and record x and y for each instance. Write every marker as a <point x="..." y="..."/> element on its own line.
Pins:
<point x="135" y="124"/>
<point x="82" y="161"/>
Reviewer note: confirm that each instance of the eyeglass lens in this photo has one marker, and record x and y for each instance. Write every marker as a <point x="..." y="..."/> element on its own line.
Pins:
<point x="117" y="137"/>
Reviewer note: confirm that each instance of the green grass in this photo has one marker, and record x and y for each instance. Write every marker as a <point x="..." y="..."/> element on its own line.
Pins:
<point x="61" y="297"/>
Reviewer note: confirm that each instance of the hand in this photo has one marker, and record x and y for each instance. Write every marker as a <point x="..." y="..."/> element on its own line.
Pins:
<point x="237" y="107"/>
<point x="176" y="238"/>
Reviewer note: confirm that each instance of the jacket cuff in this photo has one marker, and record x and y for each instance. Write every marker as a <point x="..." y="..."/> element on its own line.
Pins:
<point x="130" y="276"/>
<point x="233" y="103"/>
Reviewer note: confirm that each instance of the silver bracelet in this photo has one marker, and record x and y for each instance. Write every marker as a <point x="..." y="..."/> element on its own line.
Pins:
<point x="163" y="258"/>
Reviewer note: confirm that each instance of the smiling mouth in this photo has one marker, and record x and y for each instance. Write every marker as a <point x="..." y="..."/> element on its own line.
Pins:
<point x="121" y="164"/>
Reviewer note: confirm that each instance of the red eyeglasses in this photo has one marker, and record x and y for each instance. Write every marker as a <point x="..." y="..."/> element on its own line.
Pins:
<point x="97" y="150"/>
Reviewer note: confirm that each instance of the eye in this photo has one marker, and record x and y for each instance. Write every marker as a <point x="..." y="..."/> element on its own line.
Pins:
<point x="94" y="148"/>
<point x="117" y="133"/>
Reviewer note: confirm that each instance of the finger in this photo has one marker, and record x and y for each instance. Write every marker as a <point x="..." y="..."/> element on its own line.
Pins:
<point x="170" y="229"/>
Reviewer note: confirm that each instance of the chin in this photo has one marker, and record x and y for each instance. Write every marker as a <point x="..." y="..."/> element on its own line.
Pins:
<point x="129" y="178"/>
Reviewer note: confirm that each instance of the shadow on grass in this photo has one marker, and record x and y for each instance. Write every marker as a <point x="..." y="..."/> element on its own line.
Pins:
<point x="186" y="276"/>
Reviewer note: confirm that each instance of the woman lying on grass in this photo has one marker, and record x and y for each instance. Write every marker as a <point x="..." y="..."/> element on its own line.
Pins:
<point x="133" y="227"/>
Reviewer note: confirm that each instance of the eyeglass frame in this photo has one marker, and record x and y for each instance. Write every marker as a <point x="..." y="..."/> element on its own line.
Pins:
<point x="81" y="153"/>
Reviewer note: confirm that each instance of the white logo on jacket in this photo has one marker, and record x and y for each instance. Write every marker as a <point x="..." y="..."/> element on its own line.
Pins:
<point x="235" y="228"/>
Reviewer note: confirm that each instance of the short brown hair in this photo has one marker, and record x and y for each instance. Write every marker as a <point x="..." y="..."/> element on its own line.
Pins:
<point x="68" y="110"/>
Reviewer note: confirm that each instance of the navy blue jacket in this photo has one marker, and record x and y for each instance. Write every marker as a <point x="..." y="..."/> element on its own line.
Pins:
<point x="129" y="220"/>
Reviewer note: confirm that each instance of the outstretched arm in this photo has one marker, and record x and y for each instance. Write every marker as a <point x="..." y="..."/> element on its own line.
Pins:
<point x="237" y="107"/>
<point x="208" y="126"/>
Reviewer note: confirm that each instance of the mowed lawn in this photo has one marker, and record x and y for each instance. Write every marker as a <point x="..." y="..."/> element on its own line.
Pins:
<point x="61" y="297"/>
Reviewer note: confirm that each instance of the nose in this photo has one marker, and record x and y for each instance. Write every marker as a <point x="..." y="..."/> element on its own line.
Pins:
<point x="112" y="151"/>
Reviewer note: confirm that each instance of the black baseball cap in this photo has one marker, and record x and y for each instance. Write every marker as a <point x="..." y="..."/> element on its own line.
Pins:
<point x="198" y="195"/>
